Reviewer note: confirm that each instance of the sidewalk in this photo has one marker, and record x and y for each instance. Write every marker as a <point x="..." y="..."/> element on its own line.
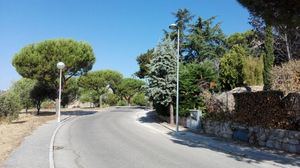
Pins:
<point x="34" y="150"/>
<point x="238" y="151"/>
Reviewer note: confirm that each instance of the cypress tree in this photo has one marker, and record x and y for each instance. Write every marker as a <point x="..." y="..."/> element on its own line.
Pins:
<point x="268" y="57"/>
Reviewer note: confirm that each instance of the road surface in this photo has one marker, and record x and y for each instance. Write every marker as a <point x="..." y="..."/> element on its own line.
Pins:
<point x="115" y="139"/>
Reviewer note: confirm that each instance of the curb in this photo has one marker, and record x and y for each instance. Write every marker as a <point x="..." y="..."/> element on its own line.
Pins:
<point x="51" y="147"/>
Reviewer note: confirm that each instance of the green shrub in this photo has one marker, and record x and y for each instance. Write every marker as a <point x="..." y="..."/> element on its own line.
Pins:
<point x="239" y="68"/>
<point x="48" y="104"/>
<point x="10" y="106"/>
<point x="111" y="99"/>
<point x="121" y="103"/>
<point x="194" y="79"/>
<point x="286" y="77"/>
<point x="231" y="68"/>
<point x="253" y="71"/>
<point x="139" y="99"/>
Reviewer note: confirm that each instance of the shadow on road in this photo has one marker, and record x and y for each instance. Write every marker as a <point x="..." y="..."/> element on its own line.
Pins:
<point x="150" y="117"/>
<point x="126" y="109"/>
<point x="78" y="113"/>
<point x="75" y="112"/>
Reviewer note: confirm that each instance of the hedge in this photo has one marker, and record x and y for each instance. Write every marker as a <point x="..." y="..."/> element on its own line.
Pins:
<point x="267" y="109"/>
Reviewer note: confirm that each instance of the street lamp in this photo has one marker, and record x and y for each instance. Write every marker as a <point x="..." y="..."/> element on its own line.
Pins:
<point x="60" y="66"/>
<point x="101" y="96"/>
<point x="175" y="27"/>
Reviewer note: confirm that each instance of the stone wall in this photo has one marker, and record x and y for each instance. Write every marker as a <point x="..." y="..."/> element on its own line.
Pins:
<point x="272" y="138"/>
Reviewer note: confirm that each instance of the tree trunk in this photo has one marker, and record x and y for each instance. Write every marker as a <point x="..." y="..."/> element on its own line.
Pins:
<point x="171" y="110"/>
<point x="128" y="100"/>
<point x="38" y="107"/>
<point x="287" y="46"/>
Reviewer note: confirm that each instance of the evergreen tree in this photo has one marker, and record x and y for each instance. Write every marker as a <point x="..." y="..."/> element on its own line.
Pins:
<point x="275" y="12"/>
<point x="128" y="88"/>
<point x="22" y="89"/>
<point x="143" y="60"/>
<point x="38" y="61"/>
<point x="183" y="19"/>
<point x="162" y="76"/>
<point x="286" y="39"/>
<point x="205" y="41"/>
<point x="269" y="58"/>
<point x="194" y="79"/>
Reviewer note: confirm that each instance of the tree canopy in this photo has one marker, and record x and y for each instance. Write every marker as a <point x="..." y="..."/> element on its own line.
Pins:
<point x="129" y="87"/>
<point x="22" y="89"/>
<point x="162" y="76"/>
<point x="275" y="12"/>
<point x="40" y="92"/>
<point x="194" y="79"/>
<point x="70" y="92"/>
<point x="99" y="80"/>
<point x="143" y="61"/>
<point x="38" y="61"/>
<point x="205" y="41"/>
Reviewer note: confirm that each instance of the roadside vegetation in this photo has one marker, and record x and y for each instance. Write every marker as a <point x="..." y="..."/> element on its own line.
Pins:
<point x="212" y="63"/>
<point x="38" y="88"/>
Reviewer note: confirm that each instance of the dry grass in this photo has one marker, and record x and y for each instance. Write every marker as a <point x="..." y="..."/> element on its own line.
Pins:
<point x="12" y="134"/>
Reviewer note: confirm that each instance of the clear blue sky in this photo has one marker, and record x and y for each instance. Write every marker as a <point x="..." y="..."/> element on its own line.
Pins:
<point x="118" y="30"/>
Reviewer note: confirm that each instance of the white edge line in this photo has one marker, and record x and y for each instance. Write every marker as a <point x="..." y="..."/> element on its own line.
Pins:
<point x="51" y="154"/>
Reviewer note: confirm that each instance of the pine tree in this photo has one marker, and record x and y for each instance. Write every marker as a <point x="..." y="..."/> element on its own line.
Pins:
<point x="205" y="41"/>
<point x="162" y="76"/>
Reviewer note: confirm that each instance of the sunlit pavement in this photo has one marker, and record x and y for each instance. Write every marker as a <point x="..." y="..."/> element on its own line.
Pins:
<point x="116" y="138"/>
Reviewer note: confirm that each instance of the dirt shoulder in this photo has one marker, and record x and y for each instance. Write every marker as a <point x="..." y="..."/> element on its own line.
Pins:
<point x="12" y="134"/>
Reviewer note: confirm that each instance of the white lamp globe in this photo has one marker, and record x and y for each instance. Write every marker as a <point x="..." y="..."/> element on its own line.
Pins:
<point x="60" y="65"/>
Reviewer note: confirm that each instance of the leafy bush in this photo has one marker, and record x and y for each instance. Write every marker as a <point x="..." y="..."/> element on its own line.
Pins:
<point x="194" y="78"/>
<point x="48" y="104"/>
<point x="239" y="68"/>
<point x="22" y="89"/>
<point x="139" y="99"/>
<point x="10" y="106"/>
<point x="111" y="99"/>
<point x="286" y="77"/>
<point x="231" y="68"/>
<point x="253" y="71"/>
<point x="121" y="103"/>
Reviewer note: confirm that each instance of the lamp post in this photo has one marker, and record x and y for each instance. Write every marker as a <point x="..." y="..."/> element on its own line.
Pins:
<point x="175" y="27"/>
<point x="101" y="96"/>
<point x="60" y="66"/>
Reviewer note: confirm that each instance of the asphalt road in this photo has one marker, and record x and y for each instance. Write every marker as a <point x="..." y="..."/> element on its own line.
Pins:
<point x="114" y="139"/>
